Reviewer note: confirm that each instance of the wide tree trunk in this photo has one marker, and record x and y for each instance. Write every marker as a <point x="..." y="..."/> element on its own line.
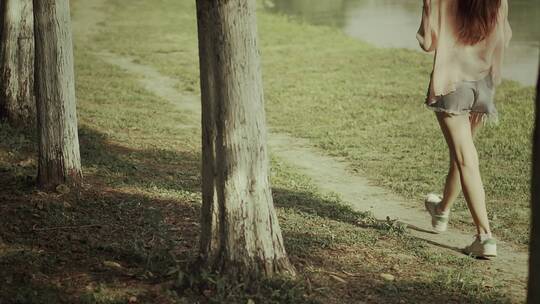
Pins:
<point x="240" y="233"/>
<point x="534" y="261"/>
<point x="17" y="103"/>
<point x="59" y="157"/>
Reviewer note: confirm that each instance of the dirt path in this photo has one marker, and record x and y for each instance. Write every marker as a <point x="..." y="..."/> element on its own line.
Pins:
<point x="330" y="174"/>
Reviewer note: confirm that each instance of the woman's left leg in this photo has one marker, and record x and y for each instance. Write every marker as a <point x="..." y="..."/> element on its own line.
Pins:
<point x="452" y="186"/>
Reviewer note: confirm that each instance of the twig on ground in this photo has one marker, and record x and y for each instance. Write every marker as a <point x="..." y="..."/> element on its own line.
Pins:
<point x="67" y="227"/>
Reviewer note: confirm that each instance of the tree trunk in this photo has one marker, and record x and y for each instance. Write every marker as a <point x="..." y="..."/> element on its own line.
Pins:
<point x="534" y="261"/>
<point x="17" y="102"/>
<point x="59" y="157"/>
<point x="240" y="234"/>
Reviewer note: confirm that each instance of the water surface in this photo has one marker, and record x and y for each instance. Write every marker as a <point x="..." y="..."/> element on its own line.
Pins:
<point x="393" y="23"/>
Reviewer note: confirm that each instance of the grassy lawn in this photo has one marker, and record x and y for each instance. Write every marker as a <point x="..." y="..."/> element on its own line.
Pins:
<point x="354" y="100"/>
<point x="132" y="230"/>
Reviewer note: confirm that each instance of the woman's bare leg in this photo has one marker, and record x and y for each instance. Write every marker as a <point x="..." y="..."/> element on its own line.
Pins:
<point x="458" y="131"/>
<point x="452" y="186"/>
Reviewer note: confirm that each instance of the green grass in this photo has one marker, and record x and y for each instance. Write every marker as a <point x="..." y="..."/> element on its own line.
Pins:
<point x="355" y="100"/>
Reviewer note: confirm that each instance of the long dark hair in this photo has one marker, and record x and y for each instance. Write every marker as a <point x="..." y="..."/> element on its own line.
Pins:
<point x="476" y="19"/>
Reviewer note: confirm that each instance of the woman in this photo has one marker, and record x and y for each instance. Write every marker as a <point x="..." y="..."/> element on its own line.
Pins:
<point x="468" y="38"/>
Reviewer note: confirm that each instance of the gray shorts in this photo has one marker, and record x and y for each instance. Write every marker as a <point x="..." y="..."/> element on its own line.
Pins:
<point x="469" y="96"/>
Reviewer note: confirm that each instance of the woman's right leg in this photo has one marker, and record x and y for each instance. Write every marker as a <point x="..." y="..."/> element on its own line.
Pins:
<point x="459" y="136"/>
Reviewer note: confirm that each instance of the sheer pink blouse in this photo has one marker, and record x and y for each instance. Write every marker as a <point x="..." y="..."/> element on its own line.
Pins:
<point x="455" y="62"/>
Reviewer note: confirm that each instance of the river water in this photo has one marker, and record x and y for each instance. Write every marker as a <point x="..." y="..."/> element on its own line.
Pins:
<point x="393" y="23"/>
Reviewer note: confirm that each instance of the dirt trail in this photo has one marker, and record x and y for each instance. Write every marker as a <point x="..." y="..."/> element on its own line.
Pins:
<point x="330" y="174"/>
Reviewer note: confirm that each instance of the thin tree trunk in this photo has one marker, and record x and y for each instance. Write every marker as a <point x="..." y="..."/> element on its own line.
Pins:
<point x="534" y="261"/>
<point x="59" y="157"/>
<point x="240" y="234"/>
<point x="17" y="102"/>
<point x="209" y="242"/>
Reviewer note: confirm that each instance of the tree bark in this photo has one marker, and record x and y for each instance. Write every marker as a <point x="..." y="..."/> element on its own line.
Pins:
<point x="534" y="261"/>
<point x="59" y="156"/>
<point x="240" y="233"/>
<point x="17" y="102"/>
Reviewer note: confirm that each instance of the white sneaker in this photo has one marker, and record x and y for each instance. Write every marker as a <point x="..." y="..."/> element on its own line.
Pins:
<point x="439" y="222"/>
<point x="483" y="246"/>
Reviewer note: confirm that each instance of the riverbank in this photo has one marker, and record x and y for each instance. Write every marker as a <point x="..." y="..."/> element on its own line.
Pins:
<point x="393" y="24"/>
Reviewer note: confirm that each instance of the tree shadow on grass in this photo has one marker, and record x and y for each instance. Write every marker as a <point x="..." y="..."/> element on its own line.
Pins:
<point x="333" y="209"/>
<point x="104" y="162"/>
<point x="58" y="244"/>
<point x="70" y="248"/>
<point x="322" y="248"/>
<point x="112" y="240"/>
<point x="120" y="165"/>
<point x="370" y="287"/>
<point x="335" y="273"/>
<point x="336" y="210"/>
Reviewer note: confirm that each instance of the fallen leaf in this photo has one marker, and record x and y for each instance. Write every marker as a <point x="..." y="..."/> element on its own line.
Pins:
<point x="335" y="277"/>
<point x="387" y="277"/>
<point x="112" y="264"/>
